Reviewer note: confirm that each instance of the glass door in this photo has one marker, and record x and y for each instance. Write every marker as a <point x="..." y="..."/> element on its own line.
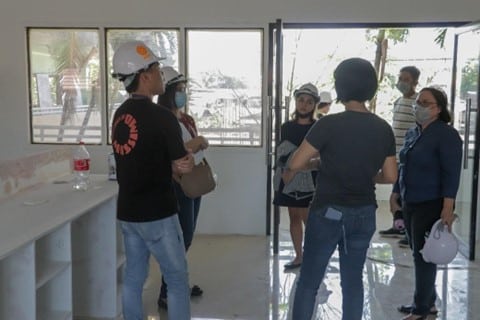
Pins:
<point x="465" y="97"/>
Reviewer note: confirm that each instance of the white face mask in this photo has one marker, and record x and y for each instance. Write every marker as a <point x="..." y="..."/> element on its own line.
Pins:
<point x="422" y="115"/>
<point x="403" y="87"/>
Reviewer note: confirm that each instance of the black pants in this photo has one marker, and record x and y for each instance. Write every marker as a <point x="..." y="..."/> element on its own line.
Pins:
<point x="419" y="219"/>
<point x="398" y="214"/>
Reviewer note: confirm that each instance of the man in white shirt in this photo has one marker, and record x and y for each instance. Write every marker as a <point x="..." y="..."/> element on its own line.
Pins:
<point x="403" y="119"/>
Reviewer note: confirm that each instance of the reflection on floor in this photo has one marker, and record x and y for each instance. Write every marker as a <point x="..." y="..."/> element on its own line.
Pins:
<point x="242" y="280"/>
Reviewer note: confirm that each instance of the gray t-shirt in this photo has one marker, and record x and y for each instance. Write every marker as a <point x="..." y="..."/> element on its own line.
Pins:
<point x="353" y="147"/>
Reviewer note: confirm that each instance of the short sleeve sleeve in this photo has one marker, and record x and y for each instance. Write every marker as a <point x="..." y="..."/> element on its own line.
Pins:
<point x="317" y="135"/>
<point x="391" y="146"/>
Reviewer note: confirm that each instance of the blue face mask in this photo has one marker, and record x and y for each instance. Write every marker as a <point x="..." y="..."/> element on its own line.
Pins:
<point x="180" y="99"/>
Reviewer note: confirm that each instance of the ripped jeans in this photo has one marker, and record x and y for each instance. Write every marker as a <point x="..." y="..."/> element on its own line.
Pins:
<point x="352" y="235"/>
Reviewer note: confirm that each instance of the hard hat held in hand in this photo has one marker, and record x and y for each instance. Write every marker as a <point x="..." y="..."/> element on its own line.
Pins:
<point x="441" y="246"/>
<point x="132" y="57"/>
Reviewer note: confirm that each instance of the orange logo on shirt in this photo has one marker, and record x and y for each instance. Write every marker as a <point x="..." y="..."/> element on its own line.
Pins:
<point x="124" y="148"/>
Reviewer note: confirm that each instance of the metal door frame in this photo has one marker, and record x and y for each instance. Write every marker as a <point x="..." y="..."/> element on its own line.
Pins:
<point x="476" y="150"/>
<point x="275" y="48"/>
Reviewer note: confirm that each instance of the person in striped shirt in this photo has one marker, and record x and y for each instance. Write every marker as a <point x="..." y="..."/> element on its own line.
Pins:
<point x="403" y="119"/>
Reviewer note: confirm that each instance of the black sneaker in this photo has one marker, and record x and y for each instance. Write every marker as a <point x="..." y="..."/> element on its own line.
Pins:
<point x="162" y="303"/>
<point x="195" y="291"/>
<point x="403" y="243"/>
<point x="392" y="233"/>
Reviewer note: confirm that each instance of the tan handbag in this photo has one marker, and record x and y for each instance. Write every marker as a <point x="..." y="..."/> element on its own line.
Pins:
<point x="199" y="181"/>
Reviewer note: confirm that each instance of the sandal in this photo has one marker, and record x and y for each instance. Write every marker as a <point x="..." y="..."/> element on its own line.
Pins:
<point x="407" y="309"/>
<point x="292" y="265"/>
<point x="196" y="291"/>
<point x="412" y="316"/>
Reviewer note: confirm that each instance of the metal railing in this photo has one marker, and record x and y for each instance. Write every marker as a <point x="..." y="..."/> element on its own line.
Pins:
<point x="232" y="136"/>
<point x="56" y="110"/>
<point x="70" y="133"/>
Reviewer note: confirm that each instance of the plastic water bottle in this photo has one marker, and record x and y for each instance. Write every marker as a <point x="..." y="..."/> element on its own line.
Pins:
<point x="81" y="168"/>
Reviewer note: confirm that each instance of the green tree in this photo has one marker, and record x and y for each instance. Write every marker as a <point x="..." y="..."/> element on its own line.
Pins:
<point x="469" y="79"/>
<point x="381" y="38"/>
<point x="440" y="37"/>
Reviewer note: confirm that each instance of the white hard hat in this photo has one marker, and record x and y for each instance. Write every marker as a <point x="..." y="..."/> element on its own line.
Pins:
<point x="132" y="57"/>
<point x="309" y="89"/>
<point x="172" y="76"/>
<point x="325" y="97"/>
<point x="441" y="246"/>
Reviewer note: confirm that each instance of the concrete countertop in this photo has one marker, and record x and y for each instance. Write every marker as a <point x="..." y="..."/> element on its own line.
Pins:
<point x="30" y="214"/>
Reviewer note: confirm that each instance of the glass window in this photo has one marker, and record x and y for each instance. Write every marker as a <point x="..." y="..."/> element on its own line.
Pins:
<point x="225" y="85"/>
<point x="64" y="86"/>
<point x="162" y="42"/>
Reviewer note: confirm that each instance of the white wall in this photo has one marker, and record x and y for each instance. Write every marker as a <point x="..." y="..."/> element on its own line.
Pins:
<point x="237" y="206"/>
<point x="16" y="15"/>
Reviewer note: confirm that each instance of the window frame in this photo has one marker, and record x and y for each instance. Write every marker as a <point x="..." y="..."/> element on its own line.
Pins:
<point x="263" y="49"/>
<point x="107" y="75"/>
<point x="29" y="75"/>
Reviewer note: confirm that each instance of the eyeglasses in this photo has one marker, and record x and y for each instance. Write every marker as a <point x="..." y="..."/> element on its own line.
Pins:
<point x="424" y="104"/>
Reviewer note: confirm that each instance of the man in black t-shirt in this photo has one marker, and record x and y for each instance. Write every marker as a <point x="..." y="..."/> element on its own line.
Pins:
<point x="148" y="147"/>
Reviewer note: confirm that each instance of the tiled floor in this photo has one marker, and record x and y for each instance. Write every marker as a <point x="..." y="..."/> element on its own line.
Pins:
<point x="242" y="280"/>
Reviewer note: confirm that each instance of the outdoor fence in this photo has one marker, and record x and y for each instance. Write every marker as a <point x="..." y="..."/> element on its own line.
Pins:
<point x="71" y="134"/>
<point x="66" y="133"/>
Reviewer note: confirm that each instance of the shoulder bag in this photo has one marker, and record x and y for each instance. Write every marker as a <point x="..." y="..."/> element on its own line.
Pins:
<point x="199" y="181"/>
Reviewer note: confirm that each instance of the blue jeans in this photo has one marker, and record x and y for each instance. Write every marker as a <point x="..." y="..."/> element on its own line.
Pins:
<point x="187" y="215"/>
<point x="419" y="219"/>
<point x="352" y="234"/>
<point x="163" y="239"/>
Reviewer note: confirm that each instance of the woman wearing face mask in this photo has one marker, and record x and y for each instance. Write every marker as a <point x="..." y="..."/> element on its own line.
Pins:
<point x="297" y="201"/>
<point x="429" y="175"/>
<point x="175" y="99"/>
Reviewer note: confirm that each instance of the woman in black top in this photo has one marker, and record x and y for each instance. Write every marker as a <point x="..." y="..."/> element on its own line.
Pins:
<point x="293" y="131"/>
<point x="357" y="150"/>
